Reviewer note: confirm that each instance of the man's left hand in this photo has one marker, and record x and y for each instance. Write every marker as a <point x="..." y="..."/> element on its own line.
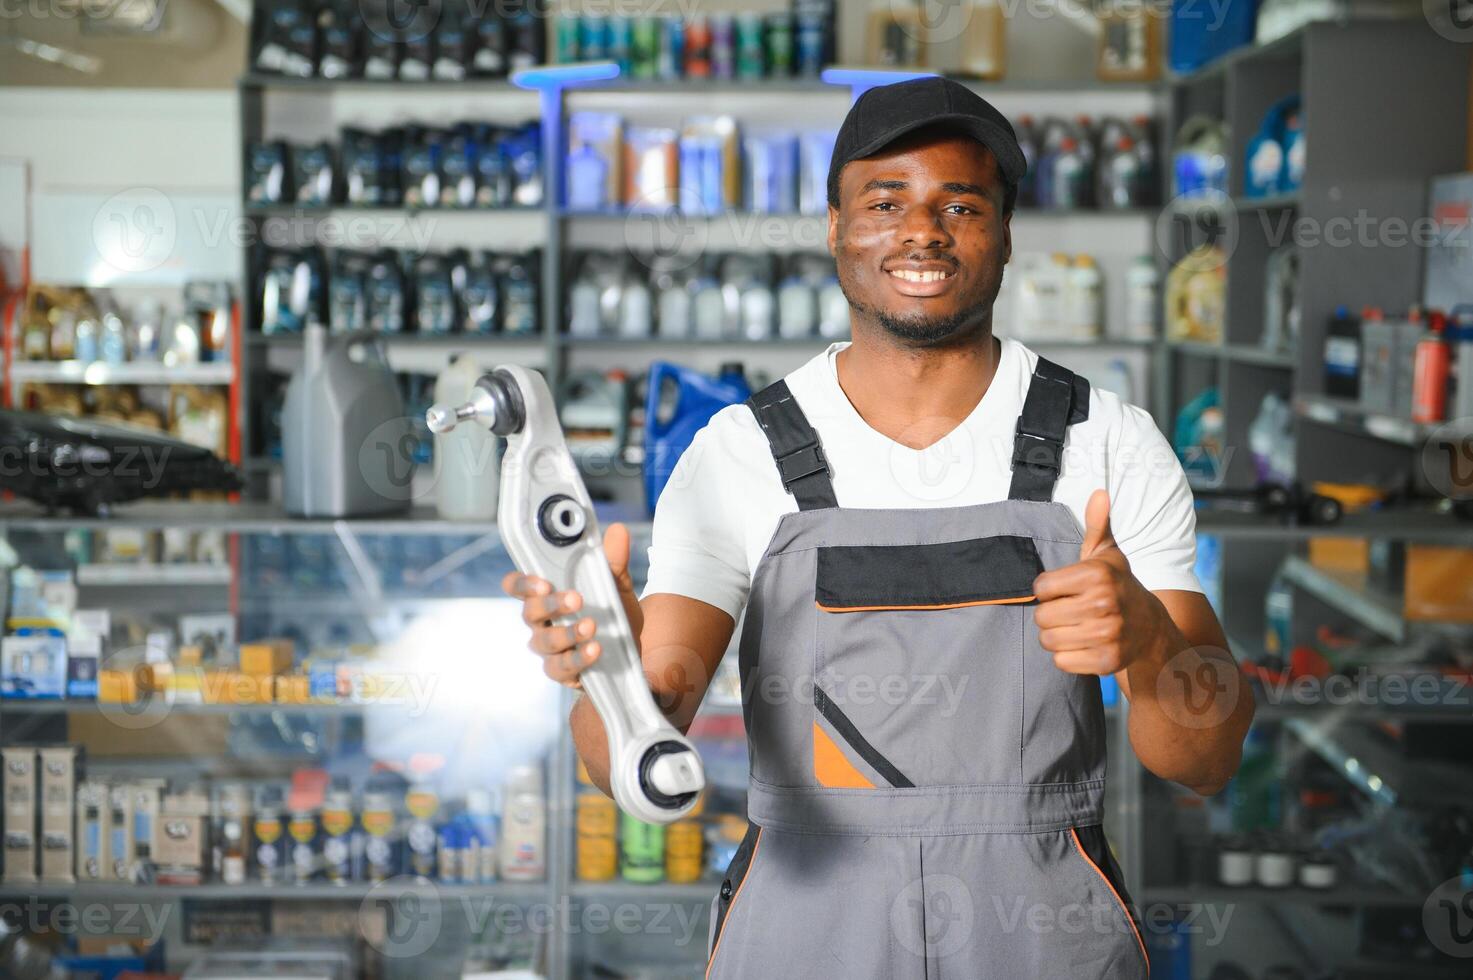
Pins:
<point x="1093" y="616"/>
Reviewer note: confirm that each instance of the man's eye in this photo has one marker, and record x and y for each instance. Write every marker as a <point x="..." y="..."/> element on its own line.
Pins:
<point x="960" y="209"/>
<point x="886" y="205"/>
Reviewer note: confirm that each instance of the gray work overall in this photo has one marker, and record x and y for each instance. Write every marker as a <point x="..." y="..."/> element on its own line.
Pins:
<point x="926" y="786"/>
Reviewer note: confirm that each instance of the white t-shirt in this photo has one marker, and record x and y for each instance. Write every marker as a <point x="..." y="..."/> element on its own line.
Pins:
<point x="716" y="516"/>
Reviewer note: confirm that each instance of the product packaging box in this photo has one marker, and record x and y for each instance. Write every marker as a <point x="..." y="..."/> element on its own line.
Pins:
<point x="58" y="766"/>
<point x="1450" y="258"/>
<point x="33" y="664"/>
<point x="1378" y="366"/>
<point x="148" y="795"/>
<point x="92" y="831"/>
<point x="181" y="845"/>
<point x="120" y="855"/>
<point x="19" y="788"/>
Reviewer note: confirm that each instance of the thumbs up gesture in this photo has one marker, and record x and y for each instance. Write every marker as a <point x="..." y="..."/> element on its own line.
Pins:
<point x="1093" y="615"/>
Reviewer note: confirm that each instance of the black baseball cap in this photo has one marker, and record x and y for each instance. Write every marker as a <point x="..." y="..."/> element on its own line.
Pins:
<point x="885" y="113"/>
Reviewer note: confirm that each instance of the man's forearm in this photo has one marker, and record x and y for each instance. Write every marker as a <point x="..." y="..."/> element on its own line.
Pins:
<point x="1189" y="711"/>
<point x="591" y="741"/>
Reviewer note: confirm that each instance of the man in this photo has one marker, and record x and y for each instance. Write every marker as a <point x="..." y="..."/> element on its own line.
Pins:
<point x="942" y="542"/>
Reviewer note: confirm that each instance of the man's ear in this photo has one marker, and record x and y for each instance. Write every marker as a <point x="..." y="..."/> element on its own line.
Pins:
<point x="833" y="235"/>
<point x="1007" y="238"/>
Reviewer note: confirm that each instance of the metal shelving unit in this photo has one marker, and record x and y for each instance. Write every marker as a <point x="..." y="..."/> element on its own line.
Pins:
<point x="1335" y="441"/>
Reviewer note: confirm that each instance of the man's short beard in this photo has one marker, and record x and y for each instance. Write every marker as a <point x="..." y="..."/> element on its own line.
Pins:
<point x="936" y="331"/>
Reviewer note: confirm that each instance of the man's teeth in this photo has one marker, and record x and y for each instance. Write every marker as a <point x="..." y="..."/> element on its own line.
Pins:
<point x="910" y="275"/>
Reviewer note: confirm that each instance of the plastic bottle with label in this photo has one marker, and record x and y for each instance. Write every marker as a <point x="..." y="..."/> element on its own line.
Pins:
<point x="1342" y="355"/>
<point x="524" y="827"/>
<point x="1083" y="306"/>
<point x="466" y="466"/>
<point x="1142" y="299"/>
<point x="1431" y="367"/>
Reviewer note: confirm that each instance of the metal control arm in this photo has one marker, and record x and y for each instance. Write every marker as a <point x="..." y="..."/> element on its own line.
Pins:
<point x="547" y="521"/>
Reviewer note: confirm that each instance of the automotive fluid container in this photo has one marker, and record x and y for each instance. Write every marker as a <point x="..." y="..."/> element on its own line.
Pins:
<point x="343" y="432"/>
<point x="1202" y="30"/>
<point x="679" y="403"/>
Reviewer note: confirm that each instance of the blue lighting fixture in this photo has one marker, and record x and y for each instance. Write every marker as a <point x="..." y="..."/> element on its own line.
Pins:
<point x="548" y="81"/>
<point x="861" y="80"/>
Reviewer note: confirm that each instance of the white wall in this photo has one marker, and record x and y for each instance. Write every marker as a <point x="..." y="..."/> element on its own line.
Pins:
<point x="126" y="186"/>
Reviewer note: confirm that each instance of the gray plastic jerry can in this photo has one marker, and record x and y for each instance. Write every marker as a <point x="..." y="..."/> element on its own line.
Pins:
<point x="347" y="446"/>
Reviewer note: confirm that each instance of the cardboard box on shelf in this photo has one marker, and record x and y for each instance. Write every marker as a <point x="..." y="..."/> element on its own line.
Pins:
<point x="58" y="767"/>
<point x="19" y="789"/>
<point x="1439" y="584"/>
<point x="266" y="657"/>
<point x="1334" y="554"/>
<point x="173" y="734"/>
<point x="182" y="840"/>
<point x="117" y="686"/>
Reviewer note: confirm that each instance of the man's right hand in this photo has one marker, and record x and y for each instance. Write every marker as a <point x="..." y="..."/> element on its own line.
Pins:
<point x="567" y="650"/>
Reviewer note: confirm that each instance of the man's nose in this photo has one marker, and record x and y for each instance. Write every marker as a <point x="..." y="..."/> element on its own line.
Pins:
<point x="923" y="228"/>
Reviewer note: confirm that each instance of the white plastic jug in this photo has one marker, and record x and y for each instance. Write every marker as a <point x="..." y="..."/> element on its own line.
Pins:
<point x="467" y="464"/>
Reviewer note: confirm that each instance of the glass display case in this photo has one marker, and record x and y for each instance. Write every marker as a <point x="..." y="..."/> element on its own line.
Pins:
<point x="227" y="731"/>
<point x="325" y="745"/>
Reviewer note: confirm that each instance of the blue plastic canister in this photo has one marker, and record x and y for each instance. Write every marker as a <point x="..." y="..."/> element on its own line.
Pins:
<point x="679" y="403"/>
<point x="1202" y="30"/>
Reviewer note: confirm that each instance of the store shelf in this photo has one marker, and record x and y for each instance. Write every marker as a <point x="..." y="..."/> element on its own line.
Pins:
<point x="1364" y="896"/>
<point x="1452" y="704"/>
<point x="260" y="517"/>
<point x="1349" y="416"/>
<point x="666" y="214"/>
<point x="760" y="86"/>
<point x="51" y="707"/>
<point x="145" y="575"/>
<point x="1369" y="606"/>
<point x="1269" y="202"/>
<point x="1239" y="353"/>
<point x="286" y="83"/>
<point x="398" y="211"/>
<point x="1373" y="764"/>
<point x="1418" y="523"/>
<point x="664" y="891"/>
<point x="356" y="891"/>
<point x="1215" y="70"/>
<point x="135" y="373"/>
<point x="406" y="341"/>
<point x="818" y="343"/>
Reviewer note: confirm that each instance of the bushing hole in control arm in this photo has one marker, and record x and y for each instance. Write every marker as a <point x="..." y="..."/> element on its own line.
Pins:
<point x="561" y="520"/>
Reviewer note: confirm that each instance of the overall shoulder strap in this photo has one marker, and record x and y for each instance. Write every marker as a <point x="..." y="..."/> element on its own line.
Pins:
<point x="1056" y="399"/>
<point x="795" y="446"/>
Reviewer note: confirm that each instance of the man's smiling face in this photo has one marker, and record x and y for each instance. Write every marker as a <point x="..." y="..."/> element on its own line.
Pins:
<point x="920" y="238"/>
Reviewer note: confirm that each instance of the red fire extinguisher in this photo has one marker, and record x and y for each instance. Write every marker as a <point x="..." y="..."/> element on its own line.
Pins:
<point x="1430" y="372"/>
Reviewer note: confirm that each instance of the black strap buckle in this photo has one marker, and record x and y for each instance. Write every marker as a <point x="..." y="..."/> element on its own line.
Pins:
<point x="1037" y="452"/>
<point x="803" y="461"/>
